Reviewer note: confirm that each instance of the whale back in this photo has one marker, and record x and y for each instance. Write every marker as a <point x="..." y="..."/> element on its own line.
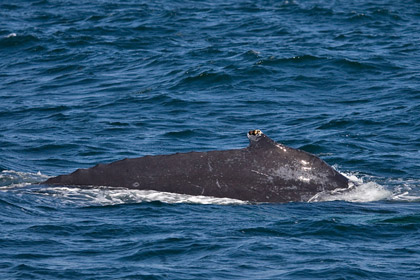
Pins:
<point x="265" y="171"/>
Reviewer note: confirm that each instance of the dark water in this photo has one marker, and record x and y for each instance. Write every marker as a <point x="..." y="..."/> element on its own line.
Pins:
<point x="83" y="82"/>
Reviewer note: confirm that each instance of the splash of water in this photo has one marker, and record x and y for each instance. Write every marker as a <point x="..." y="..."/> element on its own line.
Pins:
<point x="361" y="189"/>
<point x="113" y="196"/>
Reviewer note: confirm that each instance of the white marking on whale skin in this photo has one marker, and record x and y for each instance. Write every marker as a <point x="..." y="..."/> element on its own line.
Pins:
<point x="197" y="186"/>
<point x="304" y="179"/>
<point x="270" y="178"/>
<point x="259" y="173"/>
<point x="306" y="168"/>
<point x="218" y="184"/>
<point x="278" y="189"/>
<point x="281" y="147"/>
<point x="136" y="184"/>
<point x="294" y="173"/>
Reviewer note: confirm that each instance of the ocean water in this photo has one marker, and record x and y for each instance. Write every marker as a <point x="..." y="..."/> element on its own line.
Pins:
<point x="87" y="82"/>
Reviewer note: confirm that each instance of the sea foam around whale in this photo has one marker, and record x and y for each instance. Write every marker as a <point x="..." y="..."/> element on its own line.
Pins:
<point x="360" y="190"/>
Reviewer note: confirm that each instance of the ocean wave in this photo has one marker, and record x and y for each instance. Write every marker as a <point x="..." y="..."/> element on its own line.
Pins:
<point x="204" y="78"/>
<point x="13" y="40"/>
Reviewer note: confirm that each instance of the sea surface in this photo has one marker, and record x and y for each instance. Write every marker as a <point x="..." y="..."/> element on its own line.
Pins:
<point x="86" y="82"/>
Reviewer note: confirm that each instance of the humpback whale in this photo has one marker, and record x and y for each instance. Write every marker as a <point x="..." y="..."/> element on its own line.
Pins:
<point x="265" y="171"/>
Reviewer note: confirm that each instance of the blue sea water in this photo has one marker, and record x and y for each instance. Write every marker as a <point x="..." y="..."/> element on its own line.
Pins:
<point x="85" y="82"/>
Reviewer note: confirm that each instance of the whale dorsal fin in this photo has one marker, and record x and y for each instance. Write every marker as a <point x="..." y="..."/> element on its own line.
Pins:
<point x="259" y="140"/>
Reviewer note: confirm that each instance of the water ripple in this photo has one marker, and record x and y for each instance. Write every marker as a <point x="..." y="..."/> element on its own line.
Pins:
<point x="83" y="83"/>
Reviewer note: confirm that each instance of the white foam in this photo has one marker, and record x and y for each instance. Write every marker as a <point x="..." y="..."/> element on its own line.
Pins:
<point x="113" y="196"/>
<point x="405" y="190"/>
<point x="10" y="179"/>
<point x="364" y="188"/>
<point x="366" y="192"/>
<point x="11" y="35"/>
